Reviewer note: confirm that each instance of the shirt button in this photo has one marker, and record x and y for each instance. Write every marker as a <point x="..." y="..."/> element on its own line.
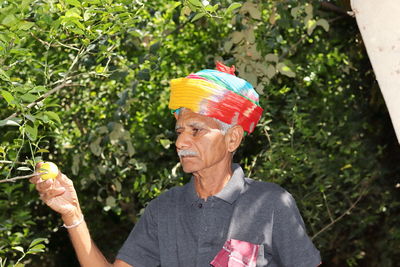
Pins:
<point x="199" y="205"/>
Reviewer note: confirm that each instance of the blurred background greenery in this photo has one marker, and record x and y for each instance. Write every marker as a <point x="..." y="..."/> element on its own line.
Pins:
<point x="85" y="84"/>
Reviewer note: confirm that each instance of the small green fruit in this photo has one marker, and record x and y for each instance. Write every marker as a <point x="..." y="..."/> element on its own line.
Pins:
<point x="50" y="168"/>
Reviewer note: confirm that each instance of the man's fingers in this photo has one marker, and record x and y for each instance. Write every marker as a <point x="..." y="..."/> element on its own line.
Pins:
<point x="51" y="193"/>
<point x="64" y="180"/>
<point x="37" y="167"/>
<point x="36" y="179"/>
<point x="43" y="186"/>
<point x="55" y="192"/>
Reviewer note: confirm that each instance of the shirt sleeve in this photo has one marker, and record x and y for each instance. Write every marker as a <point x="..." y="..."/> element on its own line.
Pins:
<point x="141" y="249"/>
<point x="289" y="237"/>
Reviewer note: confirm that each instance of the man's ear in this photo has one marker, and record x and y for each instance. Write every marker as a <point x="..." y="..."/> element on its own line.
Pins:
<point x="176" y="115"/>
<point x="234" y="137"/>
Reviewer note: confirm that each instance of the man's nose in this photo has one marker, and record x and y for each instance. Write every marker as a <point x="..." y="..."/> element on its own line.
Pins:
<point x="183" y="141"/>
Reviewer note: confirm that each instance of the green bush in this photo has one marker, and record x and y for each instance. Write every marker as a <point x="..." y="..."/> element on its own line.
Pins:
<point x="97" y="73"/>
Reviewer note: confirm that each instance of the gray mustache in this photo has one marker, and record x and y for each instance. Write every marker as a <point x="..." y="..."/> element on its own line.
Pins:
<point x="183" y="153"/>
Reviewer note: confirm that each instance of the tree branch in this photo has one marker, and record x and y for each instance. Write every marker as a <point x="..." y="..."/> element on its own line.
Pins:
<point x="21" y="177"/>
<point x="52" y="91"/>
<point x="352" y="206"/>
<point x="327" y="6"/>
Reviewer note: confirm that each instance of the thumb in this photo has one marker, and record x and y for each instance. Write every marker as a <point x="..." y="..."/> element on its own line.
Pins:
<point x="38" y="165"/>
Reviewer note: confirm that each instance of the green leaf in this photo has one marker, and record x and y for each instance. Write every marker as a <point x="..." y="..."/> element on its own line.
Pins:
<point x="228" y="46"/>
<point x="198" y="16"/>
<point x="232" y="7"/>
<point x="8" y="97"/>
<point x="36" y="249"/>
<point x="53" y="116"/>
<point x="38" y="89"/>
<point x="131" y="149"/>
<point x="11" y="122"/>
<point x="73" y="13"/>
<point x="166" y="143"/>
<point x="311" y="24"/>
<point x="22" y="168"/>
<point x="75" y="164"/>
<point x="30" y="117"/>
<point x="88" y="14"/>
<point x="75" y="3"/>
<point x="195" y="3"/>
<point x="144" y="75"/>
<point x="254" y="12"/>
<point x="118" y="186"/>
<point x="271" y="71"/>
<point x="110" y="201"/>
<point x="4" y="76"/>
<point x="250" y="36"/>
<point x="31" y="132"/>
<point x="260" y="89"/>
<point x="18" y="248"/>
<point x="272" y="58"/>
<point x="9" y="20"/>
<point x="95" y="147"/>
<point x="324" y="24"/>
<point x="309" y="9"/>
<point x="42" y="150"/>
<point x="154" y="47"/>
<point x="237" y="37"/>
<point x="25" y="4"/>
<point x="295" y="11"/>
<point x="25" y="25"/>
<point x="185" y="11"/>
<point x="285" y="70"/>
<point x="28" y="97"/>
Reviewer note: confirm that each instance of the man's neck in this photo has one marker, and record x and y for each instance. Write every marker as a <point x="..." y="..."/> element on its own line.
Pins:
<point x="210" y="181"/>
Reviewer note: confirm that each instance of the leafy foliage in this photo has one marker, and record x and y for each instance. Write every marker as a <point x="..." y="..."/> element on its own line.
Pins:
<point x="84" y="84"/>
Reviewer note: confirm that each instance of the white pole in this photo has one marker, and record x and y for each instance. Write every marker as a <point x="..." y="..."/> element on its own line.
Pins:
<point x="379" y="24"/>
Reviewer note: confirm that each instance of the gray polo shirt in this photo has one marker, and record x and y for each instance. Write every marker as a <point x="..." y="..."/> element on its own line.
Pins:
<point x="178" y="229"/>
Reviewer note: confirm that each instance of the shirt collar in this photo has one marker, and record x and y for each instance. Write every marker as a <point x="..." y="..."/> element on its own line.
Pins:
<point x="229" y="193"/>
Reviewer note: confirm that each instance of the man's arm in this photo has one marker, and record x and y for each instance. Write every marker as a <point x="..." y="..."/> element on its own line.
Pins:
<point x="291" y="244"/>
<point x="60" y="195"/>
<point x="87" y="252"/>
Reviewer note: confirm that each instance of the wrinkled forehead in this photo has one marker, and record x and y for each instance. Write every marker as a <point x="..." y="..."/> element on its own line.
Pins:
<point x="187" y="118"/>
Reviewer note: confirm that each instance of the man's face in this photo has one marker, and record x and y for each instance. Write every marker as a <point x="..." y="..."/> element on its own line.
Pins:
<point x="200" y="143"/>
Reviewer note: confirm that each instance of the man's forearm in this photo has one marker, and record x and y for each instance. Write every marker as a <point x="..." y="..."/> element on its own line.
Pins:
<point x="87" y="252"/>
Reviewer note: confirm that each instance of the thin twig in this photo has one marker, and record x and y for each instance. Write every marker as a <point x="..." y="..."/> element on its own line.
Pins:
<point x="327" y="6"/>
<point x="327" y="207"/>
<point x="41" y="41"/>
<point x="68" y="46"/>
<point x="340" y="217"/>
<point x="253" y="163"/>
<point x="21" y="177"/>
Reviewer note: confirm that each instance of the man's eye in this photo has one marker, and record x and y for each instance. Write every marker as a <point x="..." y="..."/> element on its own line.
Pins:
<point x="196" y="131"/>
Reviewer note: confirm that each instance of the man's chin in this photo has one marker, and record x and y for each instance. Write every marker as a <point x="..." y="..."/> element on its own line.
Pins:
<point x="188" y="167"/>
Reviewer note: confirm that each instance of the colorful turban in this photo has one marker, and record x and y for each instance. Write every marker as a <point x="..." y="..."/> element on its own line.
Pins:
<point x="218" y="94"/>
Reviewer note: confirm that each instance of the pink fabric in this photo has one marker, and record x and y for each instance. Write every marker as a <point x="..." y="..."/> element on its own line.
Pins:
<point x="236" y="253"/>
<point x="194" y="76"/>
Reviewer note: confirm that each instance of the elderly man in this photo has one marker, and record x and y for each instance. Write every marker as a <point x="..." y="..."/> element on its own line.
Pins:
<point x="220" y="218"/>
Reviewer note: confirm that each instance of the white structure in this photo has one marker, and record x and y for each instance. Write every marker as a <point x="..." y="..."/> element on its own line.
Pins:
<point x="379" y="24"/>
